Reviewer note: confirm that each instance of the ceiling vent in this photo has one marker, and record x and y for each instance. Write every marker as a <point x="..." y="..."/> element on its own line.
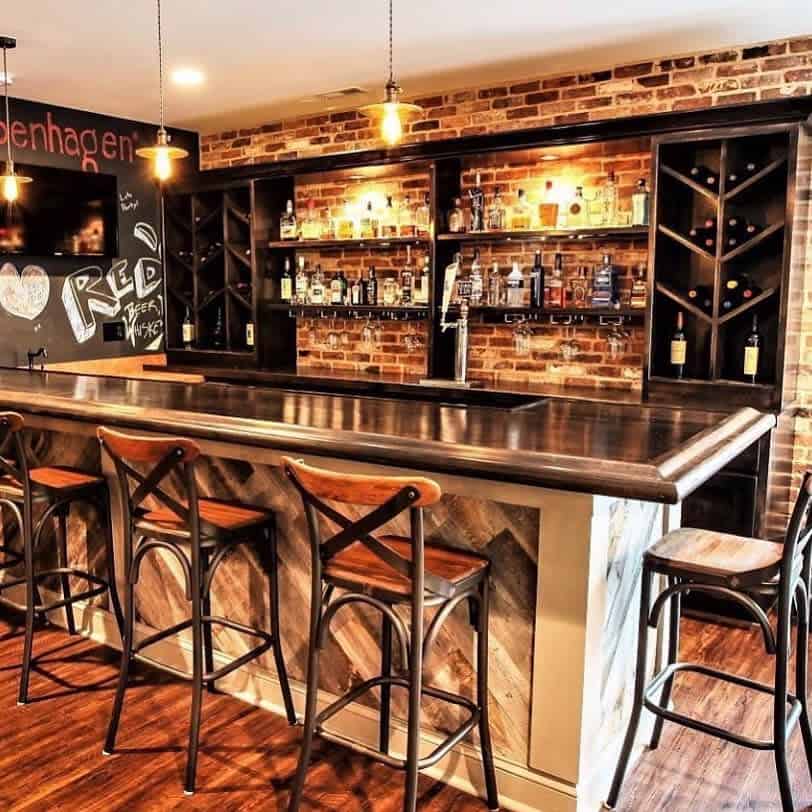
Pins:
<point x="335" y="95"/>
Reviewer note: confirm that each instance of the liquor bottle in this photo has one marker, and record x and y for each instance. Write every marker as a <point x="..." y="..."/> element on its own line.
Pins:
<point x="604" y="284"/>
<point x="496" y="212"/>
<point x="407" y="218"/>
<point x="287" y="223"/>
<point x="679" y="348"/>
<point x="390" y="290"/>
<point x="752" y="350"/>
<point x="407" y="280"/>
<point x="335" y="290"/>
<point x="317" y="291"/>
<point x="477" y="205"/>
<point x="356" y="293"/>
<point x="641" y="199"/>
<point x="421" y="293"/>
<point x="389" y="219"/>
<point x="302" y="284"/>
<point x="609" y="200"/>
<point x="537" y="283"/>
<point x="423" y="218"/>
<point x="548" y="208"/>
<point x="639" y="288"/>
<point x="515" y="287"/>
<point x="521" y="218"/>
<point x="345" y="288"/>
<point x="369" y="225"/>
<point x="218" y="335"/>
<point x="364" y="290"/>
<point x="477" y="284"/>
<point x="462" y="292"/>
<point x="327" y="226"/>
<point x="311" y="228"/>
<point x="249" y="334"/>
<point x="576" y="210"/>
<point x="286" y="292"/>
<point x="495" y="287"/>
<point x="188" y="329"/>
<point x="701" y="174"/>
<point x="456" y="221"/>
<point x="556" y="284"/>
<point x="345" y="227"/>
<point x="372" y="287"/>
<point x="579" y="288"/>
<point x="702" y="296"/>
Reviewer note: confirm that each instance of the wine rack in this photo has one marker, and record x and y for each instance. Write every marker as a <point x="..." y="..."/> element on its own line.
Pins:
<point x="720" y="256"/>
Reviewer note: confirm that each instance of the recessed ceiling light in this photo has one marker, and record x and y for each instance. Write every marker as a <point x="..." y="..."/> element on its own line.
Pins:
<point x="188" y="77"/>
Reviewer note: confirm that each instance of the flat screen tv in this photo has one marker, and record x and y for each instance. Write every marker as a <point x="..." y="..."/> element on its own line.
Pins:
<point x="61" y="213"/>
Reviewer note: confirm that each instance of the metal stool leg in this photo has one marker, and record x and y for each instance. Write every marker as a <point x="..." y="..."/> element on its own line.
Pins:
<point x="780" y="706"/>
<point x="197" y="673"/>
<point x="483" y="612"/>
<point x="106" y="519"/>
<point x="673" y="652"/>
<point x="415" y="695"/>
<point x="30" y="600"/>
<point x="61" y="522"/>
<point x="208" y="642"/>
<point x="312" y="695"/>
<point x="801" y="674"/>
<point x="386" y="689"/>
<point x="639" y="689"/>
<point x="273" y="599"/>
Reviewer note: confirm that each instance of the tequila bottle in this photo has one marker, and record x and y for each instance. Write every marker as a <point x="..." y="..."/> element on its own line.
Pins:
<point x="609" y="200"/>
<point x="477" y="205"/>
<point x="423" y="218"/>
<point x="456" y="221"/>
<point x="287" y="223"/>
<point x="311" y="228"/>
<point x="576" y="211"/>
<point x="521" y="219"/>
<point x="497" y="213"/>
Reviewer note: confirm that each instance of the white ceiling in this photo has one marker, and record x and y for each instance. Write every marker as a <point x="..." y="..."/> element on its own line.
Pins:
<point x="262" y="57"/>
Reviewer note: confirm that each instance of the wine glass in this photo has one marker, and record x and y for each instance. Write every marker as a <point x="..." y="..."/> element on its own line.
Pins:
<point x="522" y="339"/>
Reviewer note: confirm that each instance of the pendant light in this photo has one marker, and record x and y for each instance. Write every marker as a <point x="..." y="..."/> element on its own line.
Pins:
<point x="391" y="114"/>
<point x="162" y="153"/>
<point x="9" y="181"/>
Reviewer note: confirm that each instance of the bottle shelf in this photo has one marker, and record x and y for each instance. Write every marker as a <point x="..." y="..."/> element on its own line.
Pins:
<point x="594" y="234"/>
<point x="753" y="242"/>
<point x="755" y="178"/>
<point x="207" y="219"/>
<point x="375" y="242"/>
<point x="748" y="305"/>
<point x="682" y="301"/>
<point x="238" y="252"/>
<point x="239" y="298"/>
<point x="173" y="255"/>
<point x="210" y="259"/>
<point x="690" y="183"/>
<point x="238" y="214"/>
<point x="685" y="242"/>
<point x="210" y="299"/>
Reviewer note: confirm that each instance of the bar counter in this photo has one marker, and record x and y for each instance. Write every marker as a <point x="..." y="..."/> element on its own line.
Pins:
<point x="564" y="496"/>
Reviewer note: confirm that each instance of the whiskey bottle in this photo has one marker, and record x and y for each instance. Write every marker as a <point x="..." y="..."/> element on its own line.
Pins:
<point x="407" y="218"/>
<point x="537" y="283"/>
<point x="389" y="220"/>
<point x="423" y="218"/>
<point x="609" y="200"/>
<point x="752" y="350"/>
<point x="604" y="284"/>
<point x="579" y="288"/>
<point x="576" y="210"/>
<point x="287" y="223"/>
<point x="317" y="292"/>
<point x="641" y="199"/>
<point x="311" y="229"/>
<point x="522" y="219"/>
<point x="286" y="287"/>
<point x="477" y="284"/>
<point x="407" y="280"/>
<point x="187" y="329"/>
<point x="302" y="284"/>
<point x="218" y="335"/>
<point x="456" y="221"/>
<point x="462" y="292"/>
<point x="372" y="287"/>
<point x="369" y="224"/>
<point x="495" y="287"/>
<point x="548" y="208"/>
<point x="679" y="348"/>
<point x="515" y="287"/>
<point x="701" y="174"/>
<point x="639" y="289"/>
<point x="249" y="334"/>
<point x="477" y="205"/>
<point x="556" y="284"/>
<point x="496" y="212"/>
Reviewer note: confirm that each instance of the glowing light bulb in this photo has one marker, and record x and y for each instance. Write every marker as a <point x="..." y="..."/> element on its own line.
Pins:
<point x="163" y="164"/>
<point x="11" y="190"/>
<point x="391" y="127"/>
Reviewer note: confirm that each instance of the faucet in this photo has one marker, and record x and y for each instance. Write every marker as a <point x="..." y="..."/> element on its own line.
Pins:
<point x="32" y="356"/>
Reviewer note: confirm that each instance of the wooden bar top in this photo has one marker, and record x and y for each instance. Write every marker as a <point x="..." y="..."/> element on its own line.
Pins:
<point x="636" y="451"/>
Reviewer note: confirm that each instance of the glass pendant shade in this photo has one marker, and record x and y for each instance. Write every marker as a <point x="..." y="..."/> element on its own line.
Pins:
<point x="391" y="115"/>
<point x="10" y="183"/>
<point x="162" y="153"/>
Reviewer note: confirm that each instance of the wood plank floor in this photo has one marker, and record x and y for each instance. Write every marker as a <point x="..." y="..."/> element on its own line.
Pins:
<point x="51" y="758"/>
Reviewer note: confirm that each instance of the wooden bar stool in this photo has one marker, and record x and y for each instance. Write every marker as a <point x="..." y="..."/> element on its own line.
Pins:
<point x="51" y="490"/>
<point x="199" y="533"/>
<point x="738" y="569"/>
<point x="385" y="572"/>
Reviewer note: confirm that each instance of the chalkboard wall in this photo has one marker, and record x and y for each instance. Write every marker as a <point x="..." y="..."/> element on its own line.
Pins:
<point x="63" y="303"/>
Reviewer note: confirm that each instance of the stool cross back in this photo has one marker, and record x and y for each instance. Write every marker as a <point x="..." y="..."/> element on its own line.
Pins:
<point x="199" y="533"/>
<point x="382" y="572"/>
<point x="50" y="490"/>
<point x="738" y="569"/>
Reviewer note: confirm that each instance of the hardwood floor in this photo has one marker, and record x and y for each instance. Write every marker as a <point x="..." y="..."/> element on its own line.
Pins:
<point x="51" y="755"/>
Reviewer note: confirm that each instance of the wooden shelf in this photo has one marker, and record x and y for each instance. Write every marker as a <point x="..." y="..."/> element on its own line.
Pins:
<point x="594" y="234"/>
<point x="376" y="242"/>
<point x="682" y="302"/>
<point x="753" y="179"/>
<point x="209" y="218"/>
<point x="237" y="214"/>
<point x="179" y="221"/>
<point x="209" y="300"/>
<point x="239" y="255"/>
<point x="752" y="243"/>
<point x="691" y="184"/>
<point x="239" y="298"/>
<point x="754" y="302"/>
<point x="684" y="241"/>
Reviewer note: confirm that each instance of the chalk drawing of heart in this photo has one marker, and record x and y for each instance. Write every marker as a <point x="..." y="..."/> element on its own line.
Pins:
<point x="25" y="294"/>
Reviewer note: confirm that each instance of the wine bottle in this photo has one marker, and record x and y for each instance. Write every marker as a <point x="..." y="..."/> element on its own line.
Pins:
<point x="701" y="174"/>
<point x="752" y="348"/>
<point x="731" y="295"/>
<point x="748" y="289"/>
<point x="537" y="283"/>
<point x="679" y="348"/>
<point x="188" y="329"/>
<point x="249" y="334"/>
<point x="701" y="296"/>
<point x="218" y="336"/>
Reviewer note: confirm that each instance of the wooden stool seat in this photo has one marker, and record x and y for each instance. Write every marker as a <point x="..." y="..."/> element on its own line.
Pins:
<point x="49" y="480"/>
<point x="358" y="567"/>
<point x="218" y="518"/>
<point x="716" y="557"/>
